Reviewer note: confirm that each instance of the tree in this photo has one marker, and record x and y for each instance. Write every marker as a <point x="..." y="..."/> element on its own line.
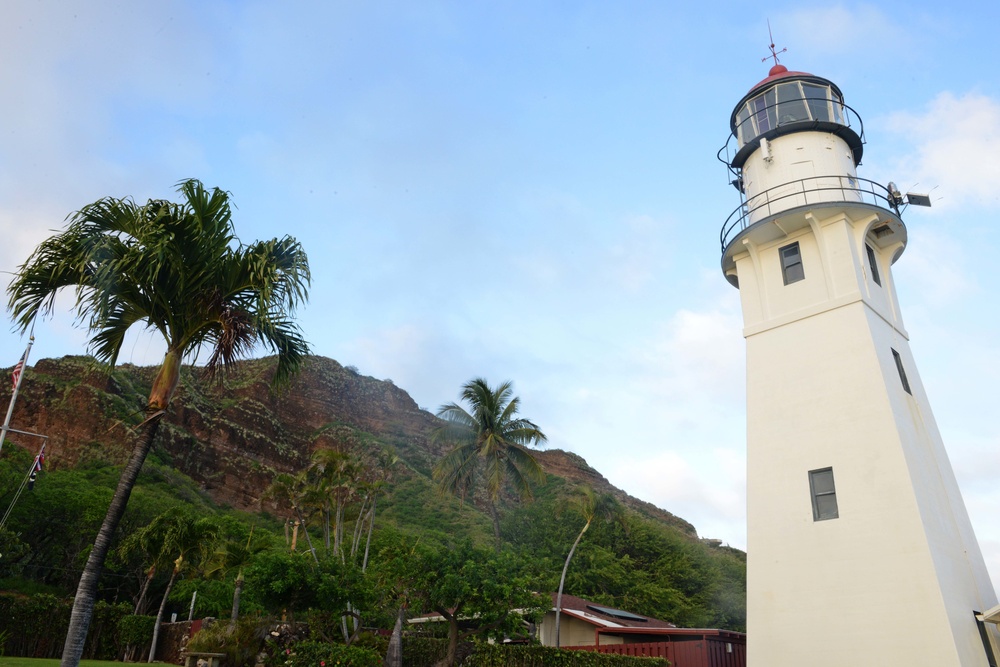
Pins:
<point x="484" y="591"/>
<point x="490" y="442"/>
<point x="180" y="269"/>
<point x="234" y="552"/>
<point x="589" y="505"/>
<point x="178" y="532"/>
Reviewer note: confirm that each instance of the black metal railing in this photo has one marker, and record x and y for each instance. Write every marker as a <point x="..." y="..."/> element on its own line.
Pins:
<point x="809" y="191"/>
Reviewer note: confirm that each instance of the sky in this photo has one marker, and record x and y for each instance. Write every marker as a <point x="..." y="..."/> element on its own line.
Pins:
<point x="524" y="191"/>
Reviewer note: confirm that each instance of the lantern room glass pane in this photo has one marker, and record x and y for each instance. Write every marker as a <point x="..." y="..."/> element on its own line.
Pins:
<point x="818" y="99"/>
<point x="791" y="103"/>
<point x="838" y="109"/>
<point x="744" y="132"/>
<point x="761" y="121"/>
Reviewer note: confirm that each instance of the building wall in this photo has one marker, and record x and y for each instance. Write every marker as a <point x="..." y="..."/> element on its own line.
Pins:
<point x="895" y="578"/>
<point x="573" y="631"/>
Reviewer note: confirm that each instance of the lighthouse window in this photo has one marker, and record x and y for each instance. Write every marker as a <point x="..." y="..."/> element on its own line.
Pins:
<point x="873" y="264"/>
<point x="791" y="264"/>
<point x="824" y="494"/>
<point x="902" y="372"/>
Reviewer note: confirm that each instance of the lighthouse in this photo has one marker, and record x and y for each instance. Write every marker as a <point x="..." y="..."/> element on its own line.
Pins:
<point x="860" y="550"/>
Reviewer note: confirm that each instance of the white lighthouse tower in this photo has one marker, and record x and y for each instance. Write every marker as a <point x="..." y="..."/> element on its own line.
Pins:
<point x="860" y="550"/>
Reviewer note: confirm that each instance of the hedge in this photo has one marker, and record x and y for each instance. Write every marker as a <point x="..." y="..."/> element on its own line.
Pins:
<point x="35" y="627"/>
<point x="499" y="655"/>
<point x="320" y="654"/>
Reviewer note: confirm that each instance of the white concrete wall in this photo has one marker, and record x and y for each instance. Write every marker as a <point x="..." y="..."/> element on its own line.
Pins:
<point x="572" y="631"/>
<point x="793" y="157"/>
<point x="894" y="580"/>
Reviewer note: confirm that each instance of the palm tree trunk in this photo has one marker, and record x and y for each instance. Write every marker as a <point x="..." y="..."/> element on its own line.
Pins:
<point x="236" y="600"/>
<point x="358" y="529"/>
<point x="562" y="579"/>
<point x="495" y="515"/>
<point x="86" y="590"/>
<point x="368" y="542"/>
<point x="308" y="539"/>
<point x="140" y="605"/>
<point x="159" y="615"/>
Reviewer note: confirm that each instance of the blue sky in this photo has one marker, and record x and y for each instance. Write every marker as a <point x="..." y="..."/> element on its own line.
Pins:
<point x="525" y="191"/>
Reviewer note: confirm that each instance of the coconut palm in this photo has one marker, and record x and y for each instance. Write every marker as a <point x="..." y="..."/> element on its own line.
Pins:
<point x="177" y="268"/>
<point x="490" y="443"/>
<point x="590" y="506"/>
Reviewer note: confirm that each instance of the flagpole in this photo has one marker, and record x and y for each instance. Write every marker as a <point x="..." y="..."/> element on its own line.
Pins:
<point x="17" y="386"/>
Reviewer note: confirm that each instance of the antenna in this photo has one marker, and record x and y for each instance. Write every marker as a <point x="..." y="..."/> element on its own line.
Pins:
<point x="774" y="54"/>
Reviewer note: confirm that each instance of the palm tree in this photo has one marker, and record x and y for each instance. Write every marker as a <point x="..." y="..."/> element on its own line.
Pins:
<point x="590" y="506"/>
<point x="490" y="442"/>
<point x="179" y="269"/>
<point x="291" y="490"/>
<point x="234" y="554"/>
<point x="191" y="540"/>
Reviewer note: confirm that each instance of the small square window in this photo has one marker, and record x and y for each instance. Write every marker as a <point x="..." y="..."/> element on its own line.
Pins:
<point x="902" y="372"/>
<point x="824" y="495"/>
<point x="873" y="264"/>
<point x="791" y="263"/>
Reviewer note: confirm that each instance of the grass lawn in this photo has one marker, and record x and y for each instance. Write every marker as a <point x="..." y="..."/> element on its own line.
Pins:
<point x="54" y="662"/>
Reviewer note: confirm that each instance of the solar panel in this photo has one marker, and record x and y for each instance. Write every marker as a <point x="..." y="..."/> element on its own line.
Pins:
<point x="617" y="613"/>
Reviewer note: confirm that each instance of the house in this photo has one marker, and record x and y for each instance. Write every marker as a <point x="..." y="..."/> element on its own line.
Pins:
<point x="585" y="625"/>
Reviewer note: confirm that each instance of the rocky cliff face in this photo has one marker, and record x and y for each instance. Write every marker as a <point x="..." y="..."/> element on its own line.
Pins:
<point x="234" y="434"/>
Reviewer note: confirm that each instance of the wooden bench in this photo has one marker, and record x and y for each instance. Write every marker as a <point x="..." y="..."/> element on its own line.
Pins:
<point x="201" y="659"/>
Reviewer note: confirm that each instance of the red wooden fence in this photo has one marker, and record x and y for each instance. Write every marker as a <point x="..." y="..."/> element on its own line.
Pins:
<point x="708" y="652"/>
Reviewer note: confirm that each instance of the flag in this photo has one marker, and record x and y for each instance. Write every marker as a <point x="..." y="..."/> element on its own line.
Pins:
<point x="16" y="375"/>
<point x="37" y="468"/>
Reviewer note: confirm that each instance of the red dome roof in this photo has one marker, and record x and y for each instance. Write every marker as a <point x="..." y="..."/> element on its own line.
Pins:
<point x="778" y="72"/>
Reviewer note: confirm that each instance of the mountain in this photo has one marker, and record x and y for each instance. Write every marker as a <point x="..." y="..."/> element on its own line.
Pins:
<point x="233" y="434"/>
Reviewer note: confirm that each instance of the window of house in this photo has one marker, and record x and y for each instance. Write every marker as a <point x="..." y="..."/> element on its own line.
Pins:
<point x="791" y="263"/>
<point x="824" y="495"/>
<point x="873" y="264"/>
<point x="902" y="372"/>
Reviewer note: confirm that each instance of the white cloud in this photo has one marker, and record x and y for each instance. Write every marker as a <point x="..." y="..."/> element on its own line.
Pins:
<point x="934" y="267"/>
<point x="709" y="492"/>
<point x="845" y="31"/>
<point x="956" y="139"/>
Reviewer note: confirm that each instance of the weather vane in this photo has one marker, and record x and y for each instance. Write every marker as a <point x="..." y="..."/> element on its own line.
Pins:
<point x="774" y="54"/>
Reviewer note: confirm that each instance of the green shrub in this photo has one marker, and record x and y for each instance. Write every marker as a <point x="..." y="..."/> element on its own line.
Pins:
<point x="240" y="643"/>
<point x="498" y="655"/>
<point x="319" y="654"/>
<point x="35" y="627"/>
<point x="423" y="651"/>
<point x="135" y="634"/>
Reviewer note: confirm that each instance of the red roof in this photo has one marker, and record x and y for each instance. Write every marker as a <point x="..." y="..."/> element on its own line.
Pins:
<point x="598" y="614"/>
<point x="778" y="72"/>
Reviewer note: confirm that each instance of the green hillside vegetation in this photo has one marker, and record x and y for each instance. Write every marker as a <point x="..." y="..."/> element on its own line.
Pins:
<point x="642" y="560"/>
